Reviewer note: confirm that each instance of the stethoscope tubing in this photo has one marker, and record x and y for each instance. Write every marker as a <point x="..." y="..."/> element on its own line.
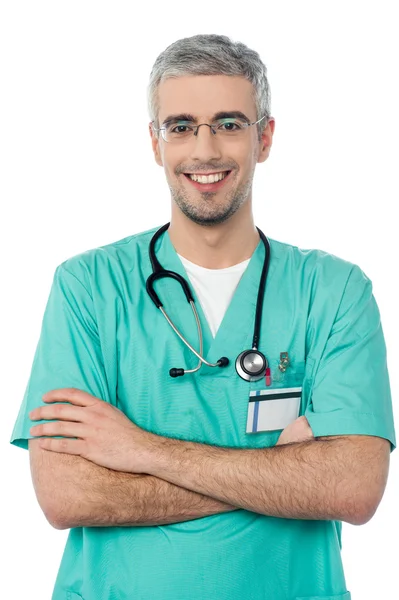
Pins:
<point x="199" y="355"/>
<point x="247" y="363"/>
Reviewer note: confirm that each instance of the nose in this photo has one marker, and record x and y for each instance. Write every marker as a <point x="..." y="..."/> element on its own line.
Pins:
<point x="204" y="145"/>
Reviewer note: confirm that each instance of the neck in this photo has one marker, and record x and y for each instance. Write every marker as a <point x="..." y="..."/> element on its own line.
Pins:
<point x="217" y="246"/>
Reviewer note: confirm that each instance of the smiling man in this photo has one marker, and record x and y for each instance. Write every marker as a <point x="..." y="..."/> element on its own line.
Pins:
<point x="192" y="158"/>
<point x="206" y="404"/>
<point x="189" y="166"/>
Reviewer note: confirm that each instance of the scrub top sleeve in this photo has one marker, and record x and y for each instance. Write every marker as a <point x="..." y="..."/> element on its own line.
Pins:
<point x="68" y="353"/>
<point x="350" y="392"/>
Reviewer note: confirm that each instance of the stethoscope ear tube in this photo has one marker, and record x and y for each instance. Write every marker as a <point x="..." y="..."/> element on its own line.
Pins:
<point x="222" y="362"/>
<point x="159" y="275"/>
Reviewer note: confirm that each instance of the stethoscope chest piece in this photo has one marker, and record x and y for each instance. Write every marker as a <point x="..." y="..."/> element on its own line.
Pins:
<point x="251" y="365"/>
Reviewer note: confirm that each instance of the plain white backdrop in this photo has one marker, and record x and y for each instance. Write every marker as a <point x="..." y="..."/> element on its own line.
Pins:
<point x="77" y="172"/>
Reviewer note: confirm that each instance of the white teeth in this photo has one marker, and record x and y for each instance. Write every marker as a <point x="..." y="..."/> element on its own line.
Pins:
<point x="208" y="178"/>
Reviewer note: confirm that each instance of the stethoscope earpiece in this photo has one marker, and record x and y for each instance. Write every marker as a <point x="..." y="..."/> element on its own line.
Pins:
<point x="251" y="365"/>
<point x="176" y="372"/>
<point x="223" y="362"/>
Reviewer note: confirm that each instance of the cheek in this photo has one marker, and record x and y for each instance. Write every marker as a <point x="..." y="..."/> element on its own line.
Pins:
<point x="246" y="159"/>
<point x="169" y="171"/>
<point x="171" y="166"/>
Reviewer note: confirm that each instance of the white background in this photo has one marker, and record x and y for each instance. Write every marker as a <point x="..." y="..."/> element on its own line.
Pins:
<point x="77" y="172"/>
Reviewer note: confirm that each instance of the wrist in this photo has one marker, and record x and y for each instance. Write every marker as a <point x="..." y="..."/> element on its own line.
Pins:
<point x="150" y="453"/>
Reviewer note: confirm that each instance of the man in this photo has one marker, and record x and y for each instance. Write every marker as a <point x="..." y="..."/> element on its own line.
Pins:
<point x="215" y="483"/>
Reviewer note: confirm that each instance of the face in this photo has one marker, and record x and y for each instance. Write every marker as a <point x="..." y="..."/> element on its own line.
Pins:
<point x="202" y="97"/>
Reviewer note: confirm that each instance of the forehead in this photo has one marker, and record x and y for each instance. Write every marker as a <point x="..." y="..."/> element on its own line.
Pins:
<point x="205" y="95"/>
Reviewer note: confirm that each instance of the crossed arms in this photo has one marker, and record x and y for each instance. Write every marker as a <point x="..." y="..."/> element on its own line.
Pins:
<point x="335" y="477"/>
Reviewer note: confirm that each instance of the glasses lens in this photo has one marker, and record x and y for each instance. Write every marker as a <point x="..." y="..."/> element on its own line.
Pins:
<point x="180" y="131"/>
<point x="230" y="127"/>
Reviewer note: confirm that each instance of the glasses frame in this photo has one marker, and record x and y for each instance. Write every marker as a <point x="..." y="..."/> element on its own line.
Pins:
<point x="212" y="128"/>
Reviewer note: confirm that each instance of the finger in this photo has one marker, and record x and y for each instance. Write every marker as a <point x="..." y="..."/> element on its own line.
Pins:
<point x="72" y="395"/>
<point x="64" y="428"/>
<point x="63" y="412"/>
<point x="65" y="445"/>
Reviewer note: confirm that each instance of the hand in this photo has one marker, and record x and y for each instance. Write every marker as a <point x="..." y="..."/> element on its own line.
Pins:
<point x="297" y="431"/>
<point x="104" y="433"/>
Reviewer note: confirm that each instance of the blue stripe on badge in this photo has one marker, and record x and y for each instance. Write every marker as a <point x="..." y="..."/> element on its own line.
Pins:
<point x="255" y="421"/>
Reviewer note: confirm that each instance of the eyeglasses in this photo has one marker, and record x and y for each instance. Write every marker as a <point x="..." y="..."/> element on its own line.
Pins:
<point x="183" y="131"/>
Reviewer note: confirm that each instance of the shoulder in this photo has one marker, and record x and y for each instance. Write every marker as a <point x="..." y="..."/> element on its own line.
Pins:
<point x="317" y="266"/>
<point x="116" y="257"/>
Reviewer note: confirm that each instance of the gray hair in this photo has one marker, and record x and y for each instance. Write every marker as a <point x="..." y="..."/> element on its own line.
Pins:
<point x="210" y="54"/>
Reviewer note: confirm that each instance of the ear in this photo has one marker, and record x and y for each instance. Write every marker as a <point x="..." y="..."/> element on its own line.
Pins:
<point x="267" y="139"/>
<point x="155" y="145"/>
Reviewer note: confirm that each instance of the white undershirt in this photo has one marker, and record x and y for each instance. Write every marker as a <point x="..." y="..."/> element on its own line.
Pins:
<point x="214" y="288"/>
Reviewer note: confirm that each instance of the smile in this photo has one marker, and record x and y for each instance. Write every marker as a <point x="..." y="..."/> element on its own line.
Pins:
<point x="208" y="182"/>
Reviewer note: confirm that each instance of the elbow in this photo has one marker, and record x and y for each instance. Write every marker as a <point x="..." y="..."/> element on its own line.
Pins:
<point x="56" y="518"/>
<point x="357" y="519"/>
<point x="360" y="519"/>
<point x="58" y="524"/>
<point x="367" y="515"/>
<point x="370" y="504"/>
<point x="371" y="487"/>
<point x="362" y="514"/>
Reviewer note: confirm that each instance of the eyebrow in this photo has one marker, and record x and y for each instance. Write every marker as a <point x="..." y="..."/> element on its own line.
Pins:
<point x="232" y="114"/>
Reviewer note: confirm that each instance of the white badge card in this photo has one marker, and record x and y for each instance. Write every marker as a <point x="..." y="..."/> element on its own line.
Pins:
<point x="269" y="410"/>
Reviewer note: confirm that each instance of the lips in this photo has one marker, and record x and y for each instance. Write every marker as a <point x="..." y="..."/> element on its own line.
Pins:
<point x="209" y="187"/>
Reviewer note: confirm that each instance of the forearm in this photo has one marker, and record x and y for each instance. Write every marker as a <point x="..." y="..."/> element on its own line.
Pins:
<point x="99" y="497"/>
<point x="308" y="480"/>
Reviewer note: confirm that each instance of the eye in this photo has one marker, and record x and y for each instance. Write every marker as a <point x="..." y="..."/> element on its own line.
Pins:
<point x="179" y="128"/>
<point x="231" y="125"/>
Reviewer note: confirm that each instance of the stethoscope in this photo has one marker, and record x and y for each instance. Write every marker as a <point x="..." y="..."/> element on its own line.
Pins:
<point x="251" y="364"/>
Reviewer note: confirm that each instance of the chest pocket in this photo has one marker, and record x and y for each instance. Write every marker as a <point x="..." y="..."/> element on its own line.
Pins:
<point x="271" y="408"/>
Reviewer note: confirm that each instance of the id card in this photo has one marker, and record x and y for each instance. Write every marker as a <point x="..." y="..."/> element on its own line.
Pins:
<point x="269" y="410"/>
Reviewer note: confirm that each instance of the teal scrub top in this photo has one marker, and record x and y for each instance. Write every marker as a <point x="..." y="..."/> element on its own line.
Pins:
<point x="101" y="333"/>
